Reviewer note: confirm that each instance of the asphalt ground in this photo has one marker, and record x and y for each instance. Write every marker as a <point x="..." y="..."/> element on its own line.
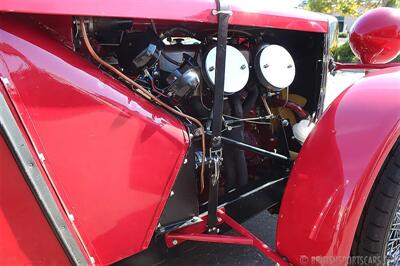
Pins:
<point x="201" y="254"/>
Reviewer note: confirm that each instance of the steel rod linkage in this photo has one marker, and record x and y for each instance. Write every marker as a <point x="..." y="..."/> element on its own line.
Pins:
<point x="195" y="232"/>
<point x="254" y="149"/>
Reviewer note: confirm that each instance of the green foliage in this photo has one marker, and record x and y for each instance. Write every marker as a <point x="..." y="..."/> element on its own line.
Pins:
<point x="344" y="54"/>
<point x="392" y="3"/>
<point x="342" y="7"/>
<point x="343" y="34"/>
<point x="396" y="60"/>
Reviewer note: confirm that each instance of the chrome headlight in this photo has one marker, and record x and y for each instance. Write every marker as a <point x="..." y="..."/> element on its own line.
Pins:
<point x="333" y="31"/>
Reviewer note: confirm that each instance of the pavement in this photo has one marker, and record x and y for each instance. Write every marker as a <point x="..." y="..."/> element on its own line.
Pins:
<point x="263" y="225"/>
<point x="201" y="254"/>
<point x="336" y="84"/>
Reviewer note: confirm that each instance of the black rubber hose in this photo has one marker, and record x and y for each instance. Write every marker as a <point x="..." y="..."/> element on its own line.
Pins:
<point x="171" y="31"/>
<point x="235" y="166"/>
<point x="229" y="167"/>
<point x="251" y="99"/>
<point x="242" y="175"/>
<point x="198" y="108"/>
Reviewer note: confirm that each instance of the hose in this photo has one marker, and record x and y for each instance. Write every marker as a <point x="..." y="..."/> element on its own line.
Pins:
<point x="169" y="32"/>
<point x="142" y="91"/>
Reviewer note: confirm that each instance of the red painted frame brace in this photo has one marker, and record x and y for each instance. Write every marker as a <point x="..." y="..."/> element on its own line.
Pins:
<point x="196" y="231"/>
<point x="343" y="66"/>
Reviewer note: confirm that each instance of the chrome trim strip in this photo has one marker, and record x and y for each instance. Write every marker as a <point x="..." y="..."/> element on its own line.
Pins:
<point x="324" y="74"/>
<point x="9" y="129"/>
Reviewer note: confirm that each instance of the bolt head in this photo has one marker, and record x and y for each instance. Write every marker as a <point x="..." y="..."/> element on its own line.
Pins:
<point x="174" y="242"/>
<point x="285" y="123"/>
<point x="216" y="139"/>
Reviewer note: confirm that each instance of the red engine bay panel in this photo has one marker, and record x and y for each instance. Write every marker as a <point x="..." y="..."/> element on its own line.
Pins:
<point x="101" y="144"/>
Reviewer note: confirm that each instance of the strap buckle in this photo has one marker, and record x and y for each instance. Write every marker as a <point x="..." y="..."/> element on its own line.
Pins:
<point x="216" y="162"/>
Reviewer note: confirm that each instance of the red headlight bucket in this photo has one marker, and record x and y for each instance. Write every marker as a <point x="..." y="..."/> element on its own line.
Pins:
<point x="375" y="36"/>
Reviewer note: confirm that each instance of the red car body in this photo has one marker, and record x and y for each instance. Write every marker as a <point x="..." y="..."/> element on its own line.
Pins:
<point x="90" y="139"/>
<point x="352" y="140"/>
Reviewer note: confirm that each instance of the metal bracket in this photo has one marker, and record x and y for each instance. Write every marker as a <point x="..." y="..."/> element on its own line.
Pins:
<point x="216" y="161"/>
<point x="5" y="82"/>
<point x="217" y="12"/>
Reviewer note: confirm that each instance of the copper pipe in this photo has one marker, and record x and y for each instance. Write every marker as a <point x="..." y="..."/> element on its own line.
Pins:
<point x="142" y="91"/>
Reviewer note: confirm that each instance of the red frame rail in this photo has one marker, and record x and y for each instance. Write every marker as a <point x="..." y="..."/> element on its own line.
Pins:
<point x="344" y="66"/>
<point x="196" y="231"/>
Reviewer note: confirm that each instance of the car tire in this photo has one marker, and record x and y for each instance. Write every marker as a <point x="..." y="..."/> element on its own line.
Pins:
<point x="375" y="241"/>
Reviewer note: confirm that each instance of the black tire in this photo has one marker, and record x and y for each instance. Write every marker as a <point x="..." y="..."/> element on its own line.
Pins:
<point x="370" y="245"/>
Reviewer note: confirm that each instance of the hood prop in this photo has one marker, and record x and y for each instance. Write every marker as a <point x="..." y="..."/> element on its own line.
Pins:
<point x="195" y="231"/>
<point x="223" y="14"/>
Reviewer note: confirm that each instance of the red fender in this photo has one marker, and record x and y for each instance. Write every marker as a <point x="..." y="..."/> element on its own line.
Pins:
<point x="22" y="221"/>
<point x="99" y="143"/>
<point x="336" y="169"/>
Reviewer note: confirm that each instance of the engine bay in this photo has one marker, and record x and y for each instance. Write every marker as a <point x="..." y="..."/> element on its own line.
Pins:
<point x="271" y="96"/>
